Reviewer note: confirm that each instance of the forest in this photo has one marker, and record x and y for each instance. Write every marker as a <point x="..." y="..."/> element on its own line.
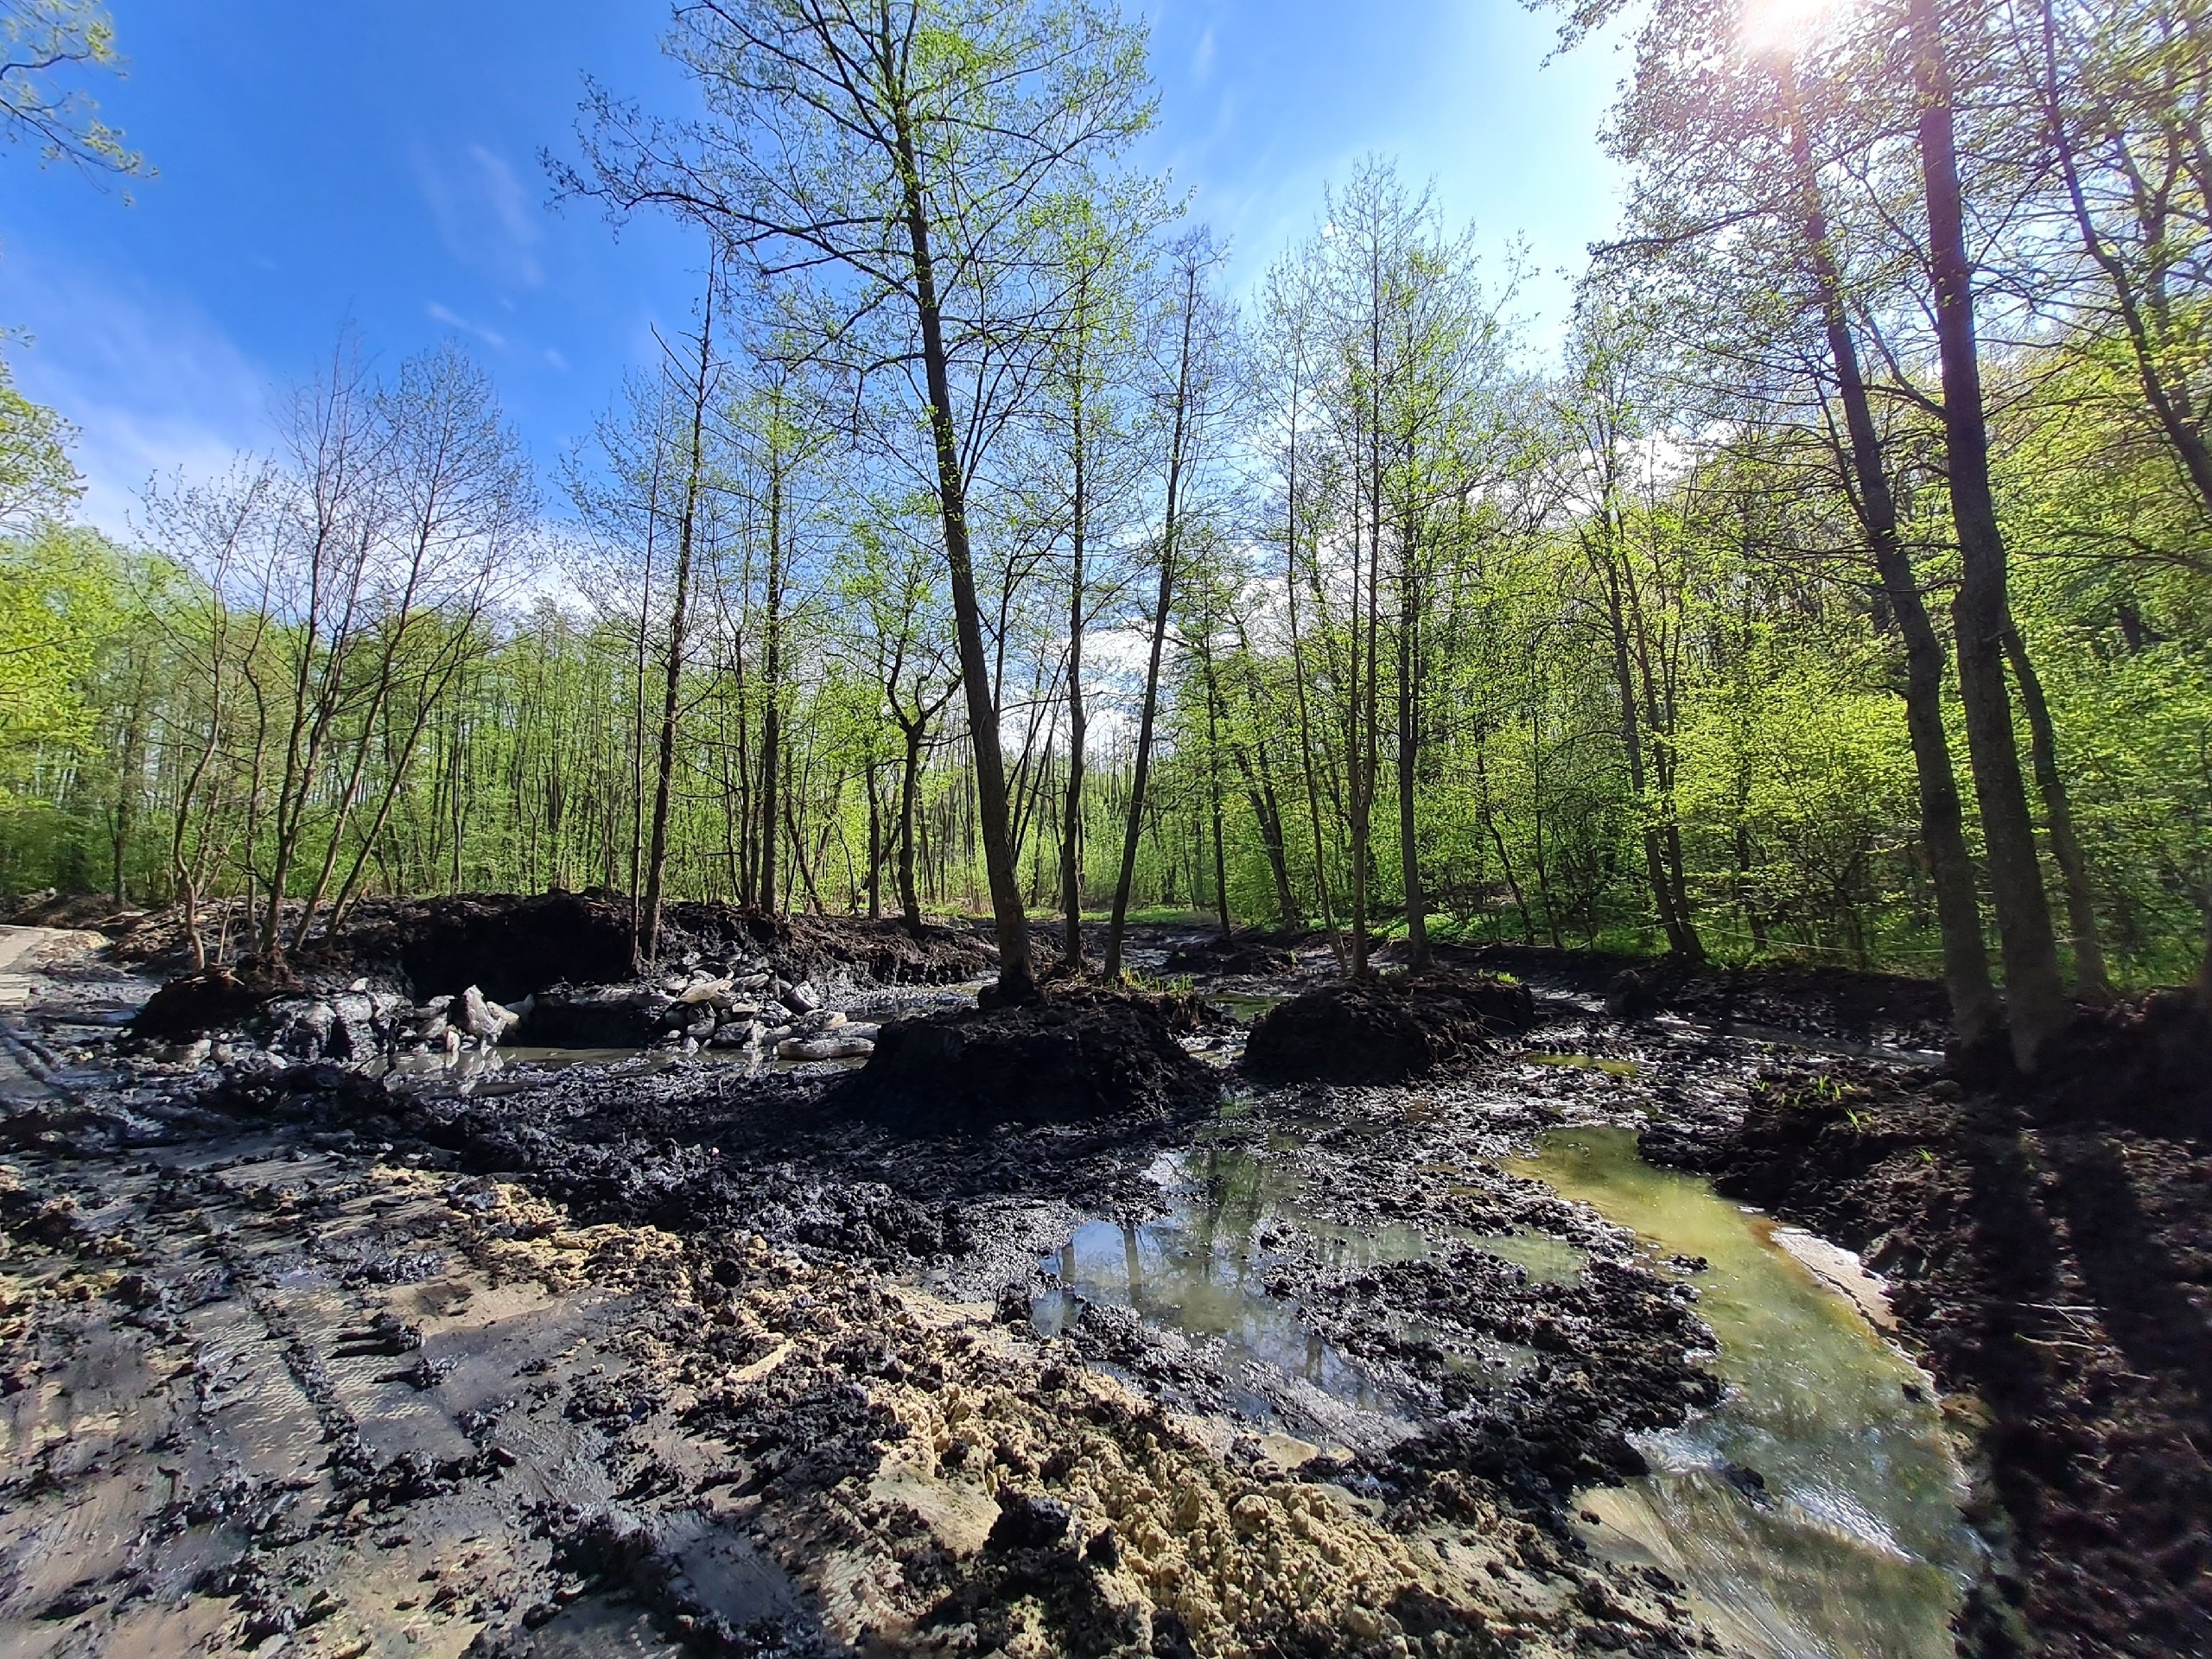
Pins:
<point x="1835" y="588"/>
<point x="1078" y="941"/>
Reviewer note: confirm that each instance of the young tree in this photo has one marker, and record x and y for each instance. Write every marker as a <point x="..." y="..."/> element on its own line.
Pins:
<point x="1194" y="335"/>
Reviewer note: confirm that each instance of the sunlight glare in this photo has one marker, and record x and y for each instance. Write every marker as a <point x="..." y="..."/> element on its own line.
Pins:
<point x="1770" y="26"/>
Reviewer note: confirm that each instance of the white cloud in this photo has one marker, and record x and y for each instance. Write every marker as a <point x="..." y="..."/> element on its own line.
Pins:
<point x="485" y="216"/>
<point x="451" y="319"/>
<point x="1202" y="59"/>
<point x="153" y="384"/>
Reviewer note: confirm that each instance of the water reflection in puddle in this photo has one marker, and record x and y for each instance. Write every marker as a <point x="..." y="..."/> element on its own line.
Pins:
<point x="1204" y="1270"/>
<point x="1243" y="1006"/>
<point x="1815" y="1511"/>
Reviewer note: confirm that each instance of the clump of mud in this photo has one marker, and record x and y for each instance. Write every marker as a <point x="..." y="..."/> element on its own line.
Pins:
<point x="1385" y="1030"/>
<point x="1258" y="954"/>
<point x="508" y="946"/>
<point x="1079" y="1058"/>
<point x="215" y="998"/>
<point x="2144" y="1064"/>
<point x="512" y="946"/>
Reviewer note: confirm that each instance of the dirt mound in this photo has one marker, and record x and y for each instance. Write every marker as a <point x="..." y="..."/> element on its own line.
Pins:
<point x="94" y="912"/>
<point x="881" y="950"/>
<point x="1083" y="1059"/>
<point x="512" y="946"/>
<point x="2144" y="1064"/>
<point x="508" y="946"/>
<point x="1893" y="1009"/>
<point x="218" y="999"/>
<point x="2058" y="1272"/>
<point x="1258" y="954"/>
<point x="1384" y="1030"/>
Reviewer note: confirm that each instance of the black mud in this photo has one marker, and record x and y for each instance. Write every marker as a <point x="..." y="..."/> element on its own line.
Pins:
<point x="1084" y="1060"/>
<point x="1385" y="1029"/>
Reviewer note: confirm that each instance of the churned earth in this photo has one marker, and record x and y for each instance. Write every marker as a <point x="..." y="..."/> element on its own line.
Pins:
<point x="689" y="1352"/>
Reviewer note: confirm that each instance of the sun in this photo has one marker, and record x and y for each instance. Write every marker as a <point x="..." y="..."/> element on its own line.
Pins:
<point x="1772" y="26"/>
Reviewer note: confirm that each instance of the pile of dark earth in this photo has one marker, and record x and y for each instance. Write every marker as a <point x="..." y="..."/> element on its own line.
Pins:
<point x="555" y="970"/>
<point x="1387" y="1028"/>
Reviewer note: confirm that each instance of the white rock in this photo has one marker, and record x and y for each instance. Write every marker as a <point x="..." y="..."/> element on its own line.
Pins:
<point x="485" y="1019"/>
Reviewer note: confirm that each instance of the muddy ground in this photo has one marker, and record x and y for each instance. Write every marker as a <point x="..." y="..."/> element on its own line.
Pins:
<point x="676" y="1354"/>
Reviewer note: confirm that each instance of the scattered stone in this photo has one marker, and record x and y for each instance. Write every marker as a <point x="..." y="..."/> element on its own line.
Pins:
<point x="483" y="1018"/>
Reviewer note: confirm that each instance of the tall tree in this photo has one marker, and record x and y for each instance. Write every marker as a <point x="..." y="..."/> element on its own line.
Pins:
<point x="881" y="165"/>
<point x="695" y="377"/>
<point x="2035" y="996"/>
<point x="1193" y="335"/>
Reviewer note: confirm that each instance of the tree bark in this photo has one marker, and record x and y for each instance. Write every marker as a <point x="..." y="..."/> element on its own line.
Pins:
<point x="772" y="677"/>
<point x="2090" y="978"/>
<point x="1071" y="811"/>
<point x="1974" y="1009"/>
<point x="1017" y="981"/>
<point x="1409" y="753"/>
<point x="1161" y="610"/>
<point x="672" y="685"/>
<point x="2035" y="995"/>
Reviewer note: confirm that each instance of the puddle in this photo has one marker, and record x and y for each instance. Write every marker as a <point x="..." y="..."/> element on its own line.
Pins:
<point x="519" y="1065"/>
<point x="1204" y="1268"/>
<point x="1242" y="1005"/>
<point x="1815" y="1511"/>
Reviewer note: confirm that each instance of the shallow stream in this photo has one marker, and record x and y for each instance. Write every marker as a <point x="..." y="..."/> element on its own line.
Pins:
<point x="1816" y="1510"/>
<point x="1814" y="1514"/>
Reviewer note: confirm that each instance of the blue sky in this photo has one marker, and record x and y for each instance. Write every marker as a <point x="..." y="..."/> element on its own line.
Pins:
<point x="377" y="163"/>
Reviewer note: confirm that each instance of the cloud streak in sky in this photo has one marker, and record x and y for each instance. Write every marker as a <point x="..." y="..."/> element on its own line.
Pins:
<point x="153" y="385"/>
<point x="485" y="217"/>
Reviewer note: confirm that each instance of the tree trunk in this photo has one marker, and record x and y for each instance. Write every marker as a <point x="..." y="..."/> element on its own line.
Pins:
<point x="1974" y="1011"/>
<point x="1305" y="721"/>
<point x="2090" y="979"/>
<point x="910" y="780"/>
<point x="874" y="849"/>
<point x="771" y="679"/>
<point x="673" y="687"/>
<point x="2035" y="995"/>
<point x="1213" y="795"/>
<point x="1160" y="613"/>
<point x="1408" y="756"/>
<point x="1071" y="811"/>
<point x="1017" y="978"/>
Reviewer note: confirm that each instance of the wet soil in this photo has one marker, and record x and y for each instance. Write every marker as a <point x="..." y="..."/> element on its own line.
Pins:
<point x="723" y="1359"/>
<point x="1083" y="1059"/>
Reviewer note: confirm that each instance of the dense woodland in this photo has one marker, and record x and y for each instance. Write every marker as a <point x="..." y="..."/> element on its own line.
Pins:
<point x="1838" y="585"/>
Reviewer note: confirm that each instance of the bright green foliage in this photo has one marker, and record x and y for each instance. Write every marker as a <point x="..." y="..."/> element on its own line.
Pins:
<point x="43" y="44"/>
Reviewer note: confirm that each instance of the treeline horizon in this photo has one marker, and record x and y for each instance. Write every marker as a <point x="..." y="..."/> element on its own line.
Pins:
<point x="1836" y="588"/>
